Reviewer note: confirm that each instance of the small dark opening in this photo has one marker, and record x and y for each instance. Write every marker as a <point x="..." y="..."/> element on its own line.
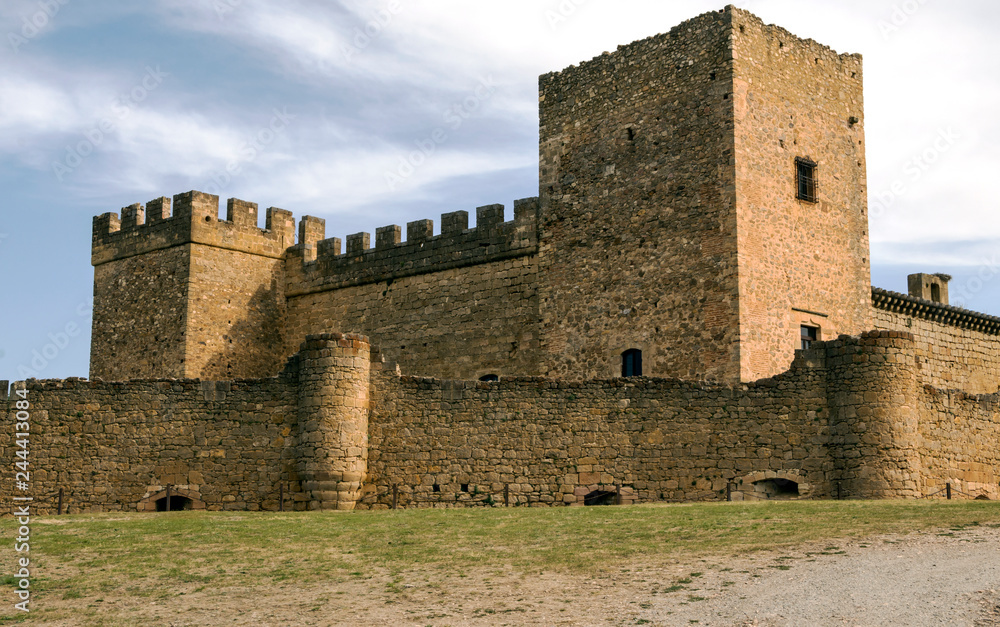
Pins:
<point x="777" y="488"/>
<point x="599" y="497"/>
<point x="632" y="363"/>
<point x="465" y="487"/>
<point x="711" y="76"/>
<point x="935" y="292"/>
<point x="631" y="133"/>
<point x="805" y="172"/>
<point x="177" y="503"/>
<point x="809" y="335"/>
<point x="489" y="377"/>
<point x="436" y="488"/>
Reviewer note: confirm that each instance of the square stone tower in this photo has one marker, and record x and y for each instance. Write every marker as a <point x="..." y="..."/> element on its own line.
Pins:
<point x="188" y="295"/>
<point x="703" y="204"/>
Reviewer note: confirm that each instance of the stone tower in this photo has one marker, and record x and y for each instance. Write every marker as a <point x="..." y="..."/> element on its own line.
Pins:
<point x="703" y="201"/>
<point x="188" y="295"/>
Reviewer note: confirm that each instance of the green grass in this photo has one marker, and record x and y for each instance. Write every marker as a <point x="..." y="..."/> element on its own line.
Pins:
<point x="145" y="554"/>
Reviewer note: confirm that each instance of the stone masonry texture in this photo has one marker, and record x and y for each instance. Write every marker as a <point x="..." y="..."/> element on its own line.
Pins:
<point x="231" y="363"/>
<point x="341" y="428"/>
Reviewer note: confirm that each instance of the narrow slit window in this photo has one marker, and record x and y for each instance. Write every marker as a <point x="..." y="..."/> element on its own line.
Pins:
<point x="632" y="363"/>
<point x="809" y="335"/>
<point x="805" y="174"/>
<point x="489" y="378"/>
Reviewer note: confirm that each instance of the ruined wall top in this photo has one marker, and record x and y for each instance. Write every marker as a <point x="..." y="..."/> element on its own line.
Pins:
<point x="703" y="26"/>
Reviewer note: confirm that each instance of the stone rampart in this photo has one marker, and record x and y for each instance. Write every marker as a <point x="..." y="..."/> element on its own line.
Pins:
<point x="316" y="264"/>
<point x="850" y="417"/>
<point x="956" y="348"/>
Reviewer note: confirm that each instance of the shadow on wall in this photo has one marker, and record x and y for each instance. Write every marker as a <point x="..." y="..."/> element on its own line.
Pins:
<point x="253" y="346"/>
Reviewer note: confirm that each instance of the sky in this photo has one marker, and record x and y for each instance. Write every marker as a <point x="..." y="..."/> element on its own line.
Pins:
<point x="319" y="106"/>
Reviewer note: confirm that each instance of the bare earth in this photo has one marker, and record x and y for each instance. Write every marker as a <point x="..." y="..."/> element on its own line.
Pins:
<point x="941" y="578"/>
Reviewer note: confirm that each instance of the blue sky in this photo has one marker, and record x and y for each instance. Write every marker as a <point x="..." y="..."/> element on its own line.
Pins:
<point x="106" y="104"/>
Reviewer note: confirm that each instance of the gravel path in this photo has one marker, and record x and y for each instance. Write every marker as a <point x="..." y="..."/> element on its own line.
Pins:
<point x="950" y="578"/>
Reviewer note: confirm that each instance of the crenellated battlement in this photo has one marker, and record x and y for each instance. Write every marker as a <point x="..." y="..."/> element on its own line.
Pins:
<point x="194" y="220"/>
<point x="318" y="264"/>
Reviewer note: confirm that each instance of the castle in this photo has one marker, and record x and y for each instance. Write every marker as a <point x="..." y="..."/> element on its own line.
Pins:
<point x="684" y="312"/>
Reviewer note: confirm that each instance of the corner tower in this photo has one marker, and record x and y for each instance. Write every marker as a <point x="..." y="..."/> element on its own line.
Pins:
<point x="188" y="295"/>
<point x="673" y="222"/>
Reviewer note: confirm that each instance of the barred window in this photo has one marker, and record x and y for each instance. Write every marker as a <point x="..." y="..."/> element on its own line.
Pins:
<point x="806" y="179"/>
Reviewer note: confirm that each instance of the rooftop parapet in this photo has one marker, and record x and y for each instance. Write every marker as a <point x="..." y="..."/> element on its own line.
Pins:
<point x="937" y="312"/>
<point x="195" y="220"/>
<point x="321" y="264"/>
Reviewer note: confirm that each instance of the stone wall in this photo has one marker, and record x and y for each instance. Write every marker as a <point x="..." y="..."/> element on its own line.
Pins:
<point x="638" y="228"/>
<point x="461" y="304"/>
<point x="800" y="262"/>
<point x="956" y="348"/>
<point x="236" y="315"/>
<point x="112" y="446"/>
<point x="960" y="442"/>
<point x="554" y="442"/>
<point x="140" y="316"/>
<point x="116" y="446"/>
<point x="850" y="416"/>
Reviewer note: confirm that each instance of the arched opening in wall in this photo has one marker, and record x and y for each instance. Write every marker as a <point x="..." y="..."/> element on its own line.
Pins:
<point x="489" y="378"/>
<point x="599" y="497"/>
<point x="632" y="363"/>
<point x="177" y="503"/>
<point x="776" y="488"/>
<point x="935" y="292"/>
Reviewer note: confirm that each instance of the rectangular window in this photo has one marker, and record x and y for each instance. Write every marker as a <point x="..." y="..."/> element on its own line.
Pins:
<point x="805" y="174"/>
<point x="632" y="363"/>
<point x="809" y="335"/>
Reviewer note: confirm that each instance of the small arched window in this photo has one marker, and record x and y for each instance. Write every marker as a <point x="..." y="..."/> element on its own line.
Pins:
<point x="489" y="377"/>
<point x="632" y="363"/>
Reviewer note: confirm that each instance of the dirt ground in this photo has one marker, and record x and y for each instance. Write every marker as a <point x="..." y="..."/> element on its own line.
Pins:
<point x="936" y="578"/>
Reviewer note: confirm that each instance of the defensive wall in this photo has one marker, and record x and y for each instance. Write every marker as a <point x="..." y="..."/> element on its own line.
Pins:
<point x="339" y="428"/>
<point x="192" y="295"/>
<point x="956" y="348"/>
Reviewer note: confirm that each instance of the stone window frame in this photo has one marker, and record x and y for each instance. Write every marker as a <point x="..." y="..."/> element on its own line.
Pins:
<point x="806" y="183"/>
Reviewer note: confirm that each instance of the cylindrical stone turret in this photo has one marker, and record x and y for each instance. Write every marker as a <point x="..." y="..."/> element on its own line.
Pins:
<point x="333" y="418"/>
<point x="873" y="396"/>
